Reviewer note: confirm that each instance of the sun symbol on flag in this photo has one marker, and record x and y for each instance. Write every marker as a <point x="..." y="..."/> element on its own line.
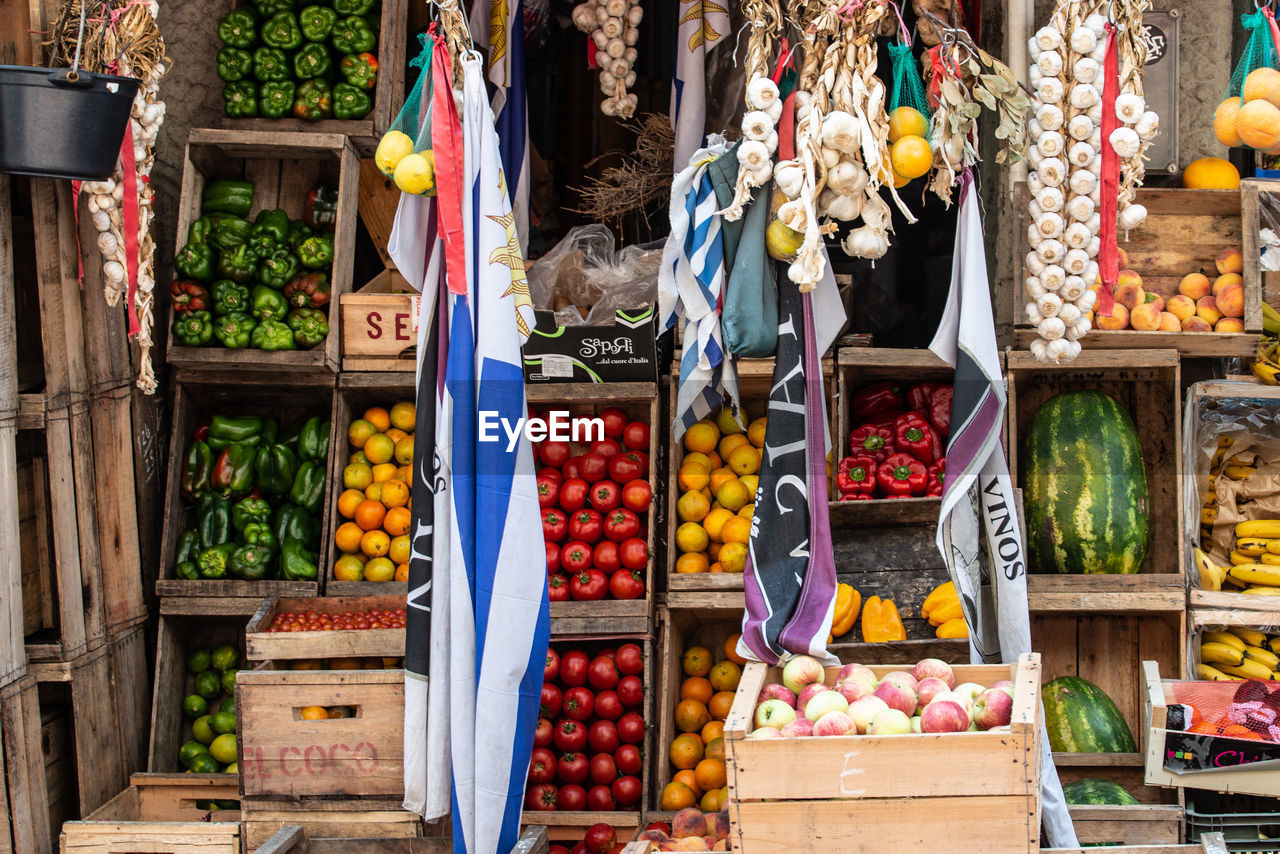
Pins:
<point x="700" y="9"/>
<point x="497" y="32"/>
<point x="510" y="257"/>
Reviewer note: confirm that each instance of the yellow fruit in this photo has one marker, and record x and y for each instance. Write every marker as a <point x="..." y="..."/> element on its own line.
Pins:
<point x="751" y="482"/>
<point x="349" y="567"/>
<point x="702" y="438"/>
<point x="745" y="460"/>
<point x="692" y="507"/>
<point x="395" y="493"/>
<point x="1224" y="123"/>
<point x="392" y="148"/>
<point x="719" y="478"/>
<point x="347" y="537"/>
<point x="713" y="522"/>
<point x="378" y="417"/>
<point x="395" y="434"/>
<point x="781" y="241"/>
<point x="415" y="174"/>
<point x="359" y="432"/>
<point x="736" y="530"/>
<point x="375" y="544"/>
<point x="1262" y="84"/>
<point x="691" y="562"/>
<point x="748" y="511"/>
<point x="347" y="502"/>
<point x="724" y="677"/>
<point x="383" y="472"/>
<point x="379" y="449"/>
<point x="907" y="121"/>
<point x="692" y="477"/>
<point x="911" y="156"/>
<point x="1211" y="173"/>
<point x="373" y="492"/>
<point x="314" y="713"/>
<point x="730" y="443"/>
<point x="733" y="557"/>
<point x="404" y="451"/>
<point x="401" y="548"/>
<point x="357" y="476"/>
<point x="755" y="433"/>
<point x="702" y="461"/>
<point x="690" y="537"/>
<point x="1259" y="124"/>
<point x="379" y="569"/>
<point x="730" y="422"/>
<point x="404" y="416"/>
<point x="733" y="495"/>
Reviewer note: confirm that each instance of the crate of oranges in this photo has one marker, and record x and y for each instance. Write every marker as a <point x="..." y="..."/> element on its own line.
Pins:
<point x="372" y="478"/>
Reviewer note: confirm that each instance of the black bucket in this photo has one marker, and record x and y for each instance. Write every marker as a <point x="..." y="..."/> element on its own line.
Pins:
<point x="57" y="123"/>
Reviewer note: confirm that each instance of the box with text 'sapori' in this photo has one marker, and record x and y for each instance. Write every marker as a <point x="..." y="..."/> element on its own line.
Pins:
<point x="624" y="351"/>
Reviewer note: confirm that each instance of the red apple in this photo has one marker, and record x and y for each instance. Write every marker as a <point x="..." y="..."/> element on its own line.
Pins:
<point x="801" y="671"/>
<point x="823" y="703"/>
<point x="863" y="710"/>
<point x="807" y="694"/>
<point x="833" y="723"/>
<point x="856" y="686"/>
<point x="850" y="670"/>
<point x="799" y="728"/>
<point x="775" y="691"/>
<point x="764" y="732"/>
<point x="930" y="687"/>
<point x="936" y="668"/>
<point x="901" y="677"/>
<point x="944" y="716"/>
<point x="992" y="708"/>
<point x="898" y="696"/>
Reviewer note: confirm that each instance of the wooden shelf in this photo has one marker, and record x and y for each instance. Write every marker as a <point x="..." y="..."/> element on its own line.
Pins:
<point x="1225" y="600"/>
<point x="1098" y="760"/>
<point x="1108" y="594"/>
<point x="885" y="511"/>
<point x="605" y="617"/>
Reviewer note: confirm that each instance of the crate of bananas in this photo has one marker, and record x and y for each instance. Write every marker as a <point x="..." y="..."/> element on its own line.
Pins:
<point x="1255" y="561"/>
<point x="1266" y="365"/>
<point x="1235" y="653"/>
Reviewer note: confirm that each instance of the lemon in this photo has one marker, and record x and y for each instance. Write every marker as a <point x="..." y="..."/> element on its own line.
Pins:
<point x="416" y="174"/>
<point x="393" y="148"/>
<point x="907" y="121"/>
<point x="781" y="241"/>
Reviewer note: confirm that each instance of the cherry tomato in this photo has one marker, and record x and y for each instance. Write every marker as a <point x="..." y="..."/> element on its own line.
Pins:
<point x="555" y="525"/>
<point x="626" y="584"/>
<point x="626" y="467"/>
<point x="548" y="491"/>
<point x="541" y="798"/>
<point x="594" y="466"/>
<point x="633" y="553"/>
<point x="635" y="436"/>
<point x="553" y="454"/>
<point x="557" y="588"/>
<point x="573" y="668"/>
<point x="579" y="703"/>
<point x="573" y="494"/>
<point x="589" y="585"/>
<point x="602" y="737"/>
<point x="571" y="797"/>
<point x="602" y="768"/>
<point x="631" y="728"/>
<point x="630" y="659"/>
<point x="542" y="735"/>
<point x="605" y="557"/>
<point x="599" y="799"/>
<point x="575" y="558"/>
<point x="551" y="701"/>
<point x="637" y="496"/>
<point x="621" y="524"/>
<point x="542" y="766"/>
<point x="626" y="790"/>
<point x="630" y="691"/>
<point x="587" y="525"/>
<point x="570" y="736"/>
<point x="628" y="759"/>
<point x="615" y="421"/>
<point x="606" y="447"/>
<point x="608" y="706"/>
<point x="572" y="767"/>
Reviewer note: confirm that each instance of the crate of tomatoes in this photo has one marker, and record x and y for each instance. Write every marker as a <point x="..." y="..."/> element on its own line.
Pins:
<point x="326" y="628"/>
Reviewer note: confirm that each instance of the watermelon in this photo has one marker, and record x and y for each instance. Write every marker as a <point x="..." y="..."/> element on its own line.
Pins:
<point x="1084" y="488"/>
<point x="1080" y="718"/>
<point x="1091" y="790"/>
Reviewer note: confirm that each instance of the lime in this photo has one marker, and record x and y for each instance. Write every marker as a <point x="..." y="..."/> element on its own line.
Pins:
<point x="223" y="748"/>
<point x="194" y="706"/>
<point x="229" y="681"/>
<point x="202" y="729"/>
<point x="203" y="763"/>
<point x="223" y="722"/>
<point x="198" y="660"/>
<point x="228" y="705"/>
<point x="225" y="657"/>
<point x="213" y="805"/>
<point x="208" y="684"/>
<point x="189" y="751"/>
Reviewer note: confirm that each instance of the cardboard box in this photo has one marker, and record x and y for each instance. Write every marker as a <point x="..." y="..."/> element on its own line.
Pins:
<point x="625" y="351"/>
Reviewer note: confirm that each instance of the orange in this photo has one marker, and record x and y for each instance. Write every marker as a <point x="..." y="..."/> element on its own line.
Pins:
<point x="383" y="472"/>
<point x="744" y="460"/>
<point x="369" y="514"/>
<point x="1224" y="123"/>
<point x="714" y="461"/>
<point x="402" y="572"/>
<point x="700" y="460"/>
<point x="395" y="434"/>
<point x="715" y="747"/>
<point x="731" y="649"/>
<point x="404" y="450"/>
<point x="691" y="562"/>
<point x="311" y="664"/>
<point x="405" y="473"/>
<point x="751" y="482"/>
<point x="358" y="457"/>
<point x="710" y="774"/>
<point x="692" y="477"/>
<point x="357" y="476"/>
<point x="373" y="492"/>
<point x="715" y="567"/>
<point x="404" y="416"/>
<point x="395" y="493"/>
<point x="397" y="521"/>
<point x="347" y="537"/>
<point x="719" y="706"/>
<point x="696" y="661"/>
<point x="375" y="544"/>
<point x="907" y="121"/>
<point x="1259" y="124"/>
<point x="733" y="557"/>
<point x="379" y="449"/>
<point x="677" y="796"/>
<point x="344" y="664"/>
<point x="911" y="156"/>
<point x="379" y="569"/>
<point x="713" y="522"/>
<point x="696" y="688"/>
<point x="690" y="537"/>
<point x="702" y="437"/>
<point x="686" y="777"/>
<point x="713" y="553"/>
<point x="359" y="432"/>
<point x="349" y="567"/>
<point x="692" y="507"/>
<point x="737" y="530"/>
<point x="728" y="421"/>
<point x="347" y="502"/>
<point x="401" y="547"/>
<point x="691" y="715"/>
<point x="314" y="713"/>
<point x="747" y="511"/>
<point x="1211" y="173"/>
<point x="734" y="494"/>
<point x="685" y="751"/>
<point x="711" y="801"/>
<point x="755" y="432"/>
<point x="378" y="417"/>
<point x="732" y="442"/>
<point x="719" y="477"/>
<point x="725" y="676"/>
<point x="713" y="731"/>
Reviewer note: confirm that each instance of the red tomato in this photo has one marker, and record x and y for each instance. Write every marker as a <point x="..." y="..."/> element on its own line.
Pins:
<point x="542" y="766"/>
<point x="575" y="558"/>
<point x="579" y="703"/>
<point x="605" y="557"/>
<point x="557" y="588"/>
<point x="631" y="728"/>
<point x="628" y="759"/>
<point x="572" y="468"/>
<point x="626" y="466"/>
<point x="580" y="848"/>
<point x="552" y="668"/>
<point x="599" y="799"/>
<point x="626" y="790"/>
<point x="621" y="524"/>
<point x="636" y="436"/>
<point x="608" y="706"/>
<point x="553" y="454"/>
<point x="551" y="702"/>
<point x="606" y="447"/>
<point x="554" y="525"/>
<point x="573" y="494"/>
<point x="626" y="584"/>
<point x="585" y="525"/>
<point x="551" y="474"/>
<point x="541" y="798"/>
<point x="603" y="673"/>
<point x="602" y="737"/>
<point x="553" y="557"/>
<point x="605" y="495"/>
<point x="542" y="735"/>
<point x="633" y="552"/>
<point x="615" y="421"/>
<point x="570" y="736"/>
<point x="573" y="668"/>
<point x="630" y="691"/>
<point x="594" y="466"/>
<point x="637" y="496"/>
<point x="603" y="770"/>
<point x="599" y="838"/>
<point x="590" y="585"/>
<point x="630" y="659"/>
<point x="571" y="797"/>
<point x="548" y="491"/>
<point x="606" y="652"/>
<point x="572" y="767"/>
<point x="560" y="849"/>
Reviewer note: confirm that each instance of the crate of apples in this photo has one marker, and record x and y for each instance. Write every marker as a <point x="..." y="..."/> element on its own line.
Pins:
<point x="373" y="532"/>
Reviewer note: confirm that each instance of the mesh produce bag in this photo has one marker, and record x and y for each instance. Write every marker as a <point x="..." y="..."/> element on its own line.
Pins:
<point x="908" y="86"/>
<point x="410" y="133"/>
<point x="1247" y="709"/>
<point x="1259" y="51"/>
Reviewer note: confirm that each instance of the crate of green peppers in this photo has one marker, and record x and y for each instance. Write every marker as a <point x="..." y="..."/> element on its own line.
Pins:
<point x="335" y="62"/>
<point x="263" y="251"/>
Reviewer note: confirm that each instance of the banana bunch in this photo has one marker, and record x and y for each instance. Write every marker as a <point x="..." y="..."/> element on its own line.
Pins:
<point x="1238" y="653"/>
<point x="1266" y="365"/>
<point x="1209" y="507"/>
<point x="1270" y="319"/>
<point x="942" y="609"/>
<point x="1255" y="560"/>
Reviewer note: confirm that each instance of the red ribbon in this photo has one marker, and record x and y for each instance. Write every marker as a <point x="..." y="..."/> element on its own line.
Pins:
<point x="1108" y="256"/>
<point x="787" y="123"/>
<point x="446" y="141"/>
<point x="75" y="209"/>
<point x="130" y="216"/>
<point x="937" y="68"/>
<point x="1275" y="31"/>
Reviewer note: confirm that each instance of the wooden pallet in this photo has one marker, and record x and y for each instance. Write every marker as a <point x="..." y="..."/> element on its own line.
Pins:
<point x="1143" y="824"/>
<point x="264" y="645"/>
<point x="24" y="803"/>
<point x="284" y="167"/>
<point x="161" y="813"/>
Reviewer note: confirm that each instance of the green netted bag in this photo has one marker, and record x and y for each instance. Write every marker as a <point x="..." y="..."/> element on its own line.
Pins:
<point x="908" y="86"/>
<point x="1259" y="51"/>
<point x="410" y="133"/>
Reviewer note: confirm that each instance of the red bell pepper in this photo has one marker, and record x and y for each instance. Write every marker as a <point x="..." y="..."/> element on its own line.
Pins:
<point x="856" y="475"/>
<point x="857" y="496"/>
<point x="918" y="396"/>
<point x="873" y="441"/>
<point x="187" y="296"/>
<point x="902" y="476"/>
<point x="937" y="473"/>
<point x="885" y="419"/>
<point x="874" y="399"/>
<point x="940" y="409"/>
<point x="913" y="435"/>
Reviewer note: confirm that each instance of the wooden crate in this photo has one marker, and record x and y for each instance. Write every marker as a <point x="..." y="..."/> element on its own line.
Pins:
<point x="264" y="645"/>
<point x="185" y="625"/>
<point x="1184" y="232"/>
<point x="13" y="572"/>
<point x="1142" y="824"/>
<point x="567" y="828"/>
<point x="387" y="96"/>
<point x="24" y="802"/>
<point x="284" y="167"/>
<point x="292" y="839"/>
<point x="358" y="822"/>
<point x="197" y="397"/>
<point x="131" y="686"/>
<point x="159" y="813"/>
<point x="380" y="325"/>
<point x="283" y="756"/>
<point x="866" y="779"/>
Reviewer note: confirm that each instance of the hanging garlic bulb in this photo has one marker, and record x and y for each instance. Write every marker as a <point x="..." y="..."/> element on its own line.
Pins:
<point x="611" y="25"/>
<point x="1130" y="107"/>
<point x="1080" y="128"/>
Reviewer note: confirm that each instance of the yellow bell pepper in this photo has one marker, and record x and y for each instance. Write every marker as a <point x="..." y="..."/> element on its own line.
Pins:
<point x="848" y="604"/>
<point x="948" y="609"/>
<point x="953" y="629"/>
<point x="880" y="621"/>
<point x="939" y="593"/>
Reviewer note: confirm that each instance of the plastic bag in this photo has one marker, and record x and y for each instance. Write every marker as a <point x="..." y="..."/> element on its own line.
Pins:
<point x="908" y="86"/>
<point x="585" y="280"/>
<point x="410" y="133"/>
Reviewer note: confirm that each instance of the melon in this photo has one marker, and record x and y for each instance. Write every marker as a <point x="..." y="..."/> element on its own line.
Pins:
<point x="1091" y="790"/>
<point x="1079" y="717"/>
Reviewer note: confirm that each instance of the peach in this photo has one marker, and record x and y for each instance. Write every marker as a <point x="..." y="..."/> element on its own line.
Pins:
<point x="1130" y="295"/>
<point x="1229" y="324"/>
<point x="1169" y="322"/>
<point x="669" y="845"/>
<point x="709" y="840"/>
<point x="1231" y="301"/>
<point x="1230" y="261"/>
<point x="1122" y="257"/>
<point x="721" y="845"/>
<point x="653" y="835"/>
<point x="1119" y="318"/>
<point x="689" y="822"/>
<point x="1207" y="308"/>
<point x="1196" y="324"/>
<point x="691" y="843"/>
<point x="1156" y="300"/>
<point x="1146" y="317"/>
<point x="722" y="824"/>
<point x="1226" y="280"/>
<point x="1194" y="285"/>
<point x="1182" y="306"/>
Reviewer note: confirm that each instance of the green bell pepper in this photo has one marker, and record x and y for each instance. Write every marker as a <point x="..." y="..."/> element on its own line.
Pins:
<point x="228" y="430"/>
<point x="188" y="296"/>
<point x="312" y="61"/>
<point x="270" y="65"/>
<point x="248" y="510"/>
<point x="235" y="330"/>
<point x="196" y="470"/>
<point x="360" y="70"/>
<point x="281" y="30"/>
<point x="199" y="230"/>
<point x="272" y="223"/>
<point x="187" y="571"/>
<point x="310" y="290"/>
<point x="240" y="99"/>
<point x="314" y="101"/>
<point x="313" y="439"/>
<point x="267" y="304"/>
<point x="213" y="520"/>
<point x="275" y="468"/>
<point x="316" y="252"/>
<point x="292" y="522"/>
<point x="296" y="562"/>
<point x="317" y="22"/>
<point x="308" y="486"/>
<point x="278" y="269"/>
<point x="233" y="472"/>
<point x="234" y="64"/>
<point x="250" y="563"/>
<point x="310" y="326"/>
<point x="229" y="232"/>
<point x="239" y="28"/>
<point x="352" y="35"/>
<point x="267" y="8"/>
<point x="352" y="7"/>
<point x="270" y="430"/>
<point x="229" y="297"/>
<point x="272" y="335"/>
<point x="298" y="233"/>
<point x="237" y="264"/>
<point x="260" y="534"/>
<point x="229" y="197"/>
<point x="193" y="329"/>
<point x="188" y="543"/>
<point x="195" y="261"/>
<point x="276" y="99"/>
<point x="350" y="102"/>
<point x="212" y="562"/>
